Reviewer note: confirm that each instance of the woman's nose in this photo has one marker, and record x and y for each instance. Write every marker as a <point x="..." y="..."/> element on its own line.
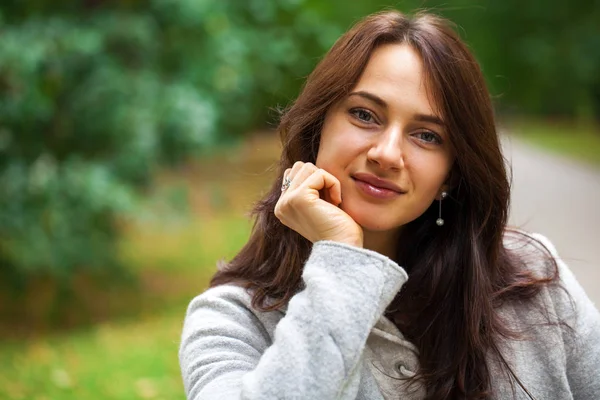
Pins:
<point x="387" y="149"/>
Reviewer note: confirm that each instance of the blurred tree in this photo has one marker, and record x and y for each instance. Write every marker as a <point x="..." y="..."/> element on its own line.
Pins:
<point x="95" y="95"/>
<point x="540" y="57"/>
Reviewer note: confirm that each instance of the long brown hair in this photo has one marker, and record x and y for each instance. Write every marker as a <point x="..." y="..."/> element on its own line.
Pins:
<point x="460" y="272"/>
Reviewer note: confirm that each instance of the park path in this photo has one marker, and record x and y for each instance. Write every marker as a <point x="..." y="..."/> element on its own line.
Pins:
<point x="560" y="199"/>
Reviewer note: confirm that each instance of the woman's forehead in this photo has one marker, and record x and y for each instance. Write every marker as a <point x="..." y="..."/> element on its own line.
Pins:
<point x="395" y="75"/>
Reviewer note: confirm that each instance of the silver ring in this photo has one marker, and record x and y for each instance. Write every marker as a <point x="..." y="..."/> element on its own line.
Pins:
<point x="286" y="184"/>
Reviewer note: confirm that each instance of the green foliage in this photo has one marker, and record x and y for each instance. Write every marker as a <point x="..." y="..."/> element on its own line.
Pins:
<point x="540" y="57"/>
<point x="86" y="117"/>
<point x="96" y="95"/>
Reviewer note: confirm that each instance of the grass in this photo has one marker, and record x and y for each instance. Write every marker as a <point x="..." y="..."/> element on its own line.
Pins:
<point x="131" y="360"/>
<point x="135" y="356"/>
<point x="578" y="141"/>
<point x="127" y="358"/>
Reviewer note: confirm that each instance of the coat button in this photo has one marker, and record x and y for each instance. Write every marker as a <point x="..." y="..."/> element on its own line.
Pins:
<point x="404" y="371"/>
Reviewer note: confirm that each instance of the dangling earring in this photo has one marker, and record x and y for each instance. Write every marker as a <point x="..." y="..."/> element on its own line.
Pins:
<point x="440" y="221"/>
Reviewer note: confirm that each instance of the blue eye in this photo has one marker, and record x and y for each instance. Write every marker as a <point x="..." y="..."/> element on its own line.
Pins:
<point x="429" y="137"/>
<point x="362" y="115"/>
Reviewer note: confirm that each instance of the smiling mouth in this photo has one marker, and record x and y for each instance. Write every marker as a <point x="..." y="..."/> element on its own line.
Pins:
<point x="377" y="182"/>
<point x="374" y="191"/>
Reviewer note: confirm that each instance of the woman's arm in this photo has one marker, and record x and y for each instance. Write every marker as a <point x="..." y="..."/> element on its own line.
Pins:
<point x="318" y="344"/>
<point x="583" y="339"/>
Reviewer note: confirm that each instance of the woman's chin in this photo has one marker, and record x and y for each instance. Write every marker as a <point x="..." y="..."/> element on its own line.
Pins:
<point x="373" y="227"/>
<point x="373" y="223"/>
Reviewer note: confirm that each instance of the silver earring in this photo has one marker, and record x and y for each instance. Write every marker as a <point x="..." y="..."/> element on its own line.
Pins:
<point x="440" y="221"/>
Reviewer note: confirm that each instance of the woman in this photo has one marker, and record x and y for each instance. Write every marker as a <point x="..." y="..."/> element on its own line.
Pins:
<point x="380" y="266"/>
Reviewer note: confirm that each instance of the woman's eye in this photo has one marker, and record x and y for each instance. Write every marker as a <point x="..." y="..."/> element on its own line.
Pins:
<point x="429" y="137"/>
<point x="362" y="114"/>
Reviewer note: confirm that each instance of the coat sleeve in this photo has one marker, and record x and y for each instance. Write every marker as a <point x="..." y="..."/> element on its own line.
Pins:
<point x="317" y="348"/>
<point x="582" y="337"/>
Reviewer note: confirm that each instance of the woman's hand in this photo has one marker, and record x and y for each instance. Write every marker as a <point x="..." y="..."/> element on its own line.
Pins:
<point x="302" y="209"/>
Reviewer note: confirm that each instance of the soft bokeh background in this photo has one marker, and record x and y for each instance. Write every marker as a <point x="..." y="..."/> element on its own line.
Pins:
<point x="135" y="135"/>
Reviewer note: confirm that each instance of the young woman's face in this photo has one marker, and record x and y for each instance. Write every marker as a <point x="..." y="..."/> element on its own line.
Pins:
<point x="386" y="144"/>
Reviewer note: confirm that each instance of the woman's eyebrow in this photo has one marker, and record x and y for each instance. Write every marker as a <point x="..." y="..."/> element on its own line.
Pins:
<point x="430" y="118"/>
<point x="380" y="102"/>
<point x="370" y="96"/>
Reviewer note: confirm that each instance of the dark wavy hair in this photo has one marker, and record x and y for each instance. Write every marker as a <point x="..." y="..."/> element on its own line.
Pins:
<point x="459" y="273"/>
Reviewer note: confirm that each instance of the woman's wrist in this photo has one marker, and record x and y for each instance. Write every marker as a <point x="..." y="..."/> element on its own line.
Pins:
<point x="350" y="239"/>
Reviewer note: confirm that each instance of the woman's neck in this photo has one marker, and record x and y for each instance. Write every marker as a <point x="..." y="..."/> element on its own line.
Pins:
<point x="385" y="243"/>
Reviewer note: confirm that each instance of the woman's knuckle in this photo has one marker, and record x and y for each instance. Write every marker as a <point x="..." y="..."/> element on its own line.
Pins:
<point x="293" y="202"/>
<point x="278" y="212"/>
<point x="285" y="203"/>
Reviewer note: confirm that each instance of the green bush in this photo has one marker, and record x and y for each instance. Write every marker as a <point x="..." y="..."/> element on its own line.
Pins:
<point x="94" y="100"/>
<point x="96" y="95"/>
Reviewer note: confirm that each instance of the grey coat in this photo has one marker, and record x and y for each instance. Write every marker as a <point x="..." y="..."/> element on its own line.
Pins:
<point x="333" y="341"/>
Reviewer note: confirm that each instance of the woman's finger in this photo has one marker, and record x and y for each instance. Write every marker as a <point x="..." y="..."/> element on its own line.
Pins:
<point x="289" y="174"/>
<point x="335" y="190"/>
<point x="286" y="180"/>
<point x="299" y="173"/>
<point x="295" y="168"/>
<point x="321" y="180"/>
<point x="286" y="173"/>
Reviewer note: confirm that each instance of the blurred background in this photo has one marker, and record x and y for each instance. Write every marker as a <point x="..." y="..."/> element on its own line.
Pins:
<point x="135" y="135"/>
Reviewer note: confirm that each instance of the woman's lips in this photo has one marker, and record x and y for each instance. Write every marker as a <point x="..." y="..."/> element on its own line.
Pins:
<point x="377" y="188"/>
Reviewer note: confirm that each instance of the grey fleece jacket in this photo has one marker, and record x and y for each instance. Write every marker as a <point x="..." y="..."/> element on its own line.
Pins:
<point x="333" y="341"/>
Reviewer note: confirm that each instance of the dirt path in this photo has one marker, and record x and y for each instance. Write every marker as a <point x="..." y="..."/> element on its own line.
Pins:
<point x="560" y="199"/>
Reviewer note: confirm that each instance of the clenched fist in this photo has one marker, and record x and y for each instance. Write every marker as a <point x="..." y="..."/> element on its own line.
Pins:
<point x="310" y="206"/>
